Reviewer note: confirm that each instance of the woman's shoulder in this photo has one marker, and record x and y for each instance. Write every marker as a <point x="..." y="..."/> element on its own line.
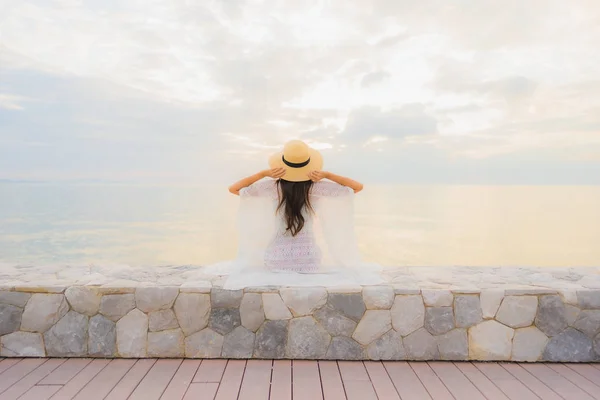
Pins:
<point x="262" y="188"/>
<point x="330" y="189"/>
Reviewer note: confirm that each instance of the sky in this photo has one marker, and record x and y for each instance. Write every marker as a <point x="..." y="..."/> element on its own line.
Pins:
<point x="394" y="91"/>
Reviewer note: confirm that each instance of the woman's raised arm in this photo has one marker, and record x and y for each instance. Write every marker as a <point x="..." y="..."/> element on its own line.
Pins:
<point x="316" y="176"/>
<point x="273" y="173"/>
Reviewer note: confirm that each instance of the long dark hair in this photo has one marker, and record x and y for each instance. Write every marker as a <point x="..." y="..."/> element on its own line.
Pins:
<point x="293" y="198"/>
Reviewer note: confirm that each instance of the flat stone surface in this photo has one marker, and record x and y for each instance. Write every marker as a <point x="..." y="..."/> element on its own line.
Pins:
<point x="378" y="297"/>
<point x="274" y="307"/>
<point x="387" y="347"/>
<point x="303" y="301"/>
<point x="588" y="322"/>
<point x="224" y="320"/>
<point x="517" y="311"/>
<point x="22" y="344"/>
<point x="571" y="314"/>
<point x="408" y="314"/>
<point x="528" y="344"/>
<point x="349" y="305"/>
<point x="204" y="344"/>
<point x="43" y="311"/>
<point x="115" y="306"/>
<point x="168" y="343"/>
<point x="132" y="334"/>
<point x="589" y="299"/>
<point x="372" y="326"/>
<point x="84" y="299"/>
<point x="307" y="339"/>
<point x="239" y="343"/>
<point x="18" y="299"/>
<point x="490" y="301"/>
<point x="453" y="345"/>
<point x="439" y="320"/>
<point x="162" y="320"/>
<point x="596" y="346"/>
<point x="569" y="346"/>
<point x="490" y="340"/>
<point x="226" y="298"/>
<point x="154" y="298"/>
<point x="421" y="345"/>
<point x="551" y="317"/>
<point x="467" y="310"/>
<point x="102" y="337"/>
<point x="271" y="339"/>
<point x="10" y="318"/>
<point x="344" y="348"/>
<point x="69" y="337"/>
<point x="251" y="311"/>
<point x="192" y="311"/>
<point x="334" y="322"/>
<point x="437" y="298"/>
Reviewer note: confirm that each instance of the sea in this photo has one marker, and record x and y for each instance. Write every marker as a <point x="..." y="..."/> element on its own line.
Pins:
<point x="396" y="225"/>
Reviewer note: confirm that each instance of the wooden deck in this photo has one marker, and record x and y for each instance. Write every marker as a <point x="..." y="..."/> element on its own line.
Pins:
<point x="39" y="379"/>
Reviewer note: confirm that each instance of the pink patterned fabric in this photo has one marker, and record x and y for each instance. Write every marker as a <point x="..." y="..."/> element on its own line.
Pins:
<point x="298" y="253"/>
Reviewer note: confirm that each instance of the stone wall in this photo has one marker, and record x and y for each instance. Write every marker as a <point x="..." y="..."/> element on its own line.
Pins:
<point x="374" y="322"/>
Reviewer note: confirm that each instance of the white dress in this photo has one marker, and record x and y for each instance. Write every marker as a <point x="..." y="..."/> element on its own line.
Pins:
<point x="300" y="253"/>
<point x="324" y="253"/>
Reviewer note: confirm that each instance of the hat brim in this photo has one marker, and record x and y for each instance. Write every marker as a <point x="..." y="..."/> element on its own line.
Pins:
<point x="297" y="174"/>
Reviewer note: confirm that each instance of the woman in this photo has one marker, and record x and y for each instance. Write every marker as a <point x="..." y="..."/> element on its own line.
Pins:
<point x="296" y="225"/>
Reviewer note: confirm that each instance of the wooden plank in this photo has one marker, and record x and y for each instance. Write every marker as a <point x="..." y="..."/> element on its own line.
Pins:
<point x="156" y="381"/>
<point x="229" y="388"/>
<point x="532" y="383"/>
<point x="307" y="380"/>
<point x="257" y="380"/>
<point x="181" y="380"/>
<point x="406" y="381"/>
<point x="18" y="371"/>
<point x="381" y="381"/>
<point x="356" y="380"/>
<point x="79" y="381"/>
<point x="210" y="371"/>
<point x="359" y="390"/>
<point x="506" y="382"/>
<point x="202" y="391"/>
<point x="40" y="392"/>
<point x="29" y="380"/>
<point x="281" y="380"/>
<point x="455" y="381"/>
<point x="99" y="387"/>
<point x="435" y="387"/>
<point x="586" y="370"/>
<point x="131" y="380"/>
<point x="66" y="372"/>
<point x="578" y="380"/>
<point x="482" y="382"/>
<point x="331" y="381"/>
<point x="353" y="371"/>
<point x="7" y="363"/>
<point x="556" y="382"/>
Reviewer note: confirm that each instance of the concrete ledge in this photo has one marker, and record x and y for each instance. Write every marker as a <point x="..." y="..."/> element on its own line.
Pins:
<point x="516" y="314"/>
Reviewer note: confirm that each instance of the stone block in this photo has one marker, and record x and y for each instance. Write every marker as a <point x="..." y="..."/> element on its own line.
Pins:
<point x="372" y="326"/>
<point x="490" y="340"/>
<point x="421" y="345"/>
<point x="350" y="305"/>
<point x="408" y="314"/>
<point x="224" y="320"/>
<point x="378" y="297"/>
<point x="453" y="345"/>
<point x="588" y="322"/>
<point x="467" y="311"/>
<point x="517" y="311"/>
<point x="204" y="344"/>
<point x="84" y="299"/>
<point x="571" y="314"/>
<point x="490" y="300"/>
<point x="439" y="320"/>
<point x="271" y="339"/>
<point x="251" y="311"/>
<point x="589" y="299"/>
<point x="344" y="348"/>
<point x="162" y="320"/>
<point x="115" y="306"/>
<point x="334" y="322"/>
<point x="551" y="317"/>
<point x="528" y="344"/>
<point x="303" y="301"/>
<point x="17" y="299"/>
<point x="223" y="298"/>
<point x="10" y="318"/>
<point x="102" y="337"/>
<point x="155" y="298"/>
<point x="43" y="311"/>
<point x="192" y="311"/>
<point x="166" y="344"/>
<point x="69" y="337"/>
<point x="388" y="347"/>
<point x="307" y="339"/>
<point x="132" y="334"/>
<point x="274" y="307"/>
<point x="569" y="346"/>
<point x="437" y="298"/>
<point x="22" y="344"/>
<point x="239" y="343"/>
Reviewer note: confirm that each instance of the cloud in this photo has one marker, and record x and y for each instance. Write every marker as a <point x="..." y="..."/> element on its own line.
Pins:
<point x="374" y="78"/>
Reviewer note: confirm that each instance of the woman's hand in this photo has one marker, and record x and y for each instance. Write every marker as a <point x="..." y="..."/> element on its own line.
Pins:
<point x="275" y="173"/>
<point x="316" y="176"/>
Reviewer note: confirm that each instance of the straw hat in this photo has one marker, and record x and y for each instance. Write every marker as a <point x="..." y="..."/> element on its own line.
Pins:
<point x="298" y="160"/>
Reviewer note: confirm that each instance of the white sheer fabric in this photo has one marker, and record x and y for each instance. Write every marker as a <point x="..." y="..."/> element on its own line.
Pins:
<point x="323" y="253"/>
